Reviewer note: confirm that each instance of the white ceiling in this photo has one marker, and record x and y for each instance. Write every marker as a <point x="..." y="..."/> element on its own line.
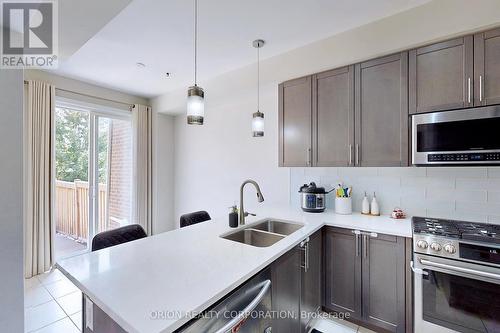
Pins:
<point x="159" y="33"/>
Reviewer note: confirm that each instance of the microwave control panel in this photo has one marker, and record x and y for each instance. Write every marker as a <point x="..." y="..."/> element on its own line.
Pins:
<point x="464" y="157"/>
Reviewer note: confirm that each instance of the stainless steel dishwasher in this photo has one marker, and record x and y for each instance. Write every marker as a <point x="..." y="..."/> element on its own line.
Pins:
<point x="243" y="311"/>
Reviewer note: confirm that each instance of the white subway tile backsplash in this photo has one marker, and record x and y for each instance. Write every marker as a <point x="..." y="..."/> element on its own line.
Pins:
<point x="466" y="193"/>
<point x="494" y="219"/>
<point x="468" y="216"/>
<point x="440" y="213"/>
<point x="402" y="172"/>
<point x="461" y="195"/>
<point x="478" y="207"/>
<point x="457" y="172"/>
<point x="414" y="181"/>
<point x="494" y="172"/>
<point x="357" y="172"/>
<point x="494" y="196"/>
<point x="490" y="184"/>
<point x="442" y="183"/>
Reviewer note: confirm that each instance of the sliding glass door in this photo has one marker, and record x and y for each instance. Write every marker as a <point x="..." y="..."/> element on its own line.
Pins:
<point x="114" y="159"/>
<point x="72" y="147"/>
<point x="93" y="167"/>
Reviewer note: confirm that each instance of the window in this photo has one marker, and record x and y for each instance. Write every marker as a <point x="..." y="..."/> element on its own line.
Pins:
<point x="93" y="168"/>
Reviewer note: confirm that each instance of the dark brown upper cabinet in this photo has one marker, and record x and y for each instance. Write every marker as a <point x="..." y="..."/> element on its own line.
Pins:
<point x="381" y="111"/>
<point x="333" y="117"/>
<point x="295" y="122"/>
<point x="441" y="76"/>
<point x="358" y="115"/>
<point x="487" y="68"/>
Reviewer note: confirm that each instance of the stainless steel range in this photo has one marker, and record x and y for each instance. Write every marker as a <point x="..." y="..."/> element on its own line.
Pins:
<point x="457" y="276"/>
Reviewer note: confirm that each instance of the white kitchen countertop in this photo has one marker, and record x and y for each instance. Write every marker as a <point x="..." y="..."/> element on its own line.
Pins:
<point x="189" y="269"/>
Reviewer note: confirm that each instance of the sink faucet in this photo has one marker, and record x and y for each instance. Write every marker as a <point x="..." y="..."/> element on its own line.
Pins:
<point x="260" y="198"/>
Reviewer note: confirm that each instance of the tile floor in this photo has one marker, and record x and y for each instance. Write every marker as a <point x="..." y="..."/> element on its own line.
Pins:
<point x="52" y="304"/>
<point x="339" y="326"/>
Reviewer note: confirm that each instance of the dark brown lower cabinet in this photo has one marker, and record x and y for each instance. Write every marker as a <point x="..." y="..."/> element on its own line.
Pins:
<point x="366" y="276"/>
<point x="383" y="275"/>
<point x="296" y="286"/>
<point x="311" y="291"/>
<point x="342" y="280"/>
<point x="285" y="281"/>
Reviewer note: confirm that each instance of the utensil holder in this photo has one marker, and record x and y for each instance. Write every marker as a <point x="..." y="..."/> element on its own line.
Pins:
<point x="343" y="205"/>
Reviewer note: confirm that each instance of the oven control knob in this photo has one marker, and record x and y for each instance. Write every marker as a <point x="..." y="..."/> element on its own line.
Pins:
<point x="435" y="247"/>
<point x="450" y="248"/>
<point x="422" y="244"/>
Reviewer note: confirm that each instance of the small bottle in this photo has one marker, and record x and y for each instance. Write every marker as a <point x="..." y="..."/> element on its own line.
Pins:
<point x="374" y="208"/>
<point x="365" y="206"/>
<point x="233" y="216"/>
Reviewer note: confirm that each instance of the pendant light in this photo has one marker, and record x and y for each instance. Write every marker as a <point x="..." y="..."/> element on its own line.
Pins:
<point x="195" y="100"/>
<point x="258" y="117"/>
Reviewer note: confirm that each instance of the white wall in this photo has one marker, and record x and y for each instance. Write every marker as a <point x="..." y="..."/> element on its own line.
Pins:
<point x="471" y="193"/>
<point x="11" y="202"/>
<point x="211" y="161"/>
<point x="163" y="173"/>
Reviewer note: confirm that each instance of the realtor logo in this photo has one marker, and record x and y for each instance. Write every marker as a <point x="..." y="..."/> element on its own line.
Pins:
<point x="29" y="34"/>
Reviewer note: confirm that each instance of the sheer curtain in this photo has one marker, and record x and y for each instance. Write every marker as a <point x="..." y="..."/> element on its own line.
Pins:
<point x="39" y="104"/>
<point x="142" y="204"/>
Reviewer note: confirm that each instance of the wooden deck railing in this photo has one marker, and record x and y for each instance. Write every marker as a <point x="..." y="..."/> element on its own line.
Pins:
<point x="72" y="209"/>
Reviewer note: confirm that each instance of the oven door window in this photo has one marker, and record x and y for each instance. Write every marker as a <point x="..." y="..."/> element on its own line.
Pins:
<point x="459" y="303"/>
<point x="475" y="134"/>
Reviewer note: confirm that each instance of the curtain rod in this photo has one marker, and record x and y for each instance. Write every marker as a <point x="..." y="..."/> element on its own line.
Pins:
<point x="86" y="95"/>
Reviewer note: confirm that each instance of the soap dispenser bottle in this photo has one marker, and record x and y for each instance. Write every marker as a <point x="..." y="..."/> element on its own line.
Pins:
<point x="233" y="216"/>
<point x="374" y="208"/>
<point x="365" y="206"/>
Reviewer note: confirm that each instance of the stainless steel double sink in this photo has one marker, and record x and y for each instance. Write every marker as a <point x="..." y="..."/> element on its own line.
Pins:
<point x="263" y="233"/>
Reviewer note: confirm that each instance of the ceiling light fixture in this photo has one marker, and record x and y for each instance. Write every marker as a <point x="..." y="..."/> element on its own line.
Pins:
<point x="195" y="101"/>
<point x="258" y="117"/>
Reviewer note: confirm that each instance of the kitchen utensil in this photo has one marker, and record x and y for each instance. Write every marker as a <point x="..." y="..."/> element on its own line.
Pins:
<point x="343" y="205"/>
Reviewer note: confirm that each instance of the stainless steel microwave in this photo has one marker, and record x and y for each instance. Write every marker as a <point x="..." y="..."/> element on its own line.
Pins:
<point x="459" y="137"/>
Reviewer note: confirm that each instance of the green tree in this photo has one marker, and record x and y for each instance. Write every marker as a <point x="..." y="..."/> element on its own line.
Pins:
<point x="72" y="145"/>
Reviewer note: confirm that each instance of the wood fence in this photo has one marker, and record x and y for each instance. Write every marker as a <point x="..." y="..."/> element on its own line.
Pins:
<point x="72" y="209"/>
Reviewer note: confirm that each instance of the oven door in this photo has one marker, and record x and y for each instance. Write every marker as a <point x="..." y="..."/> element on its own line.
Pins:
<point x="452" y="295"/>
<point x="473" y="131"/>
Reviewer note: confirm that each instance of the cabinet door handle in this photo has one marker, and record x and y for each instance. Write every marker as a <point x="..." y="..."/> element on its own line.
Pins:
<point x="480" y="88"/>
<point x="357" y="154"/>
<point x="365" y="245"/>
<point x="304" y="246"/>
<point x="350" y="154"/>
<point x="468" y="90"/>
<point x="309" y="156"/>
<point x="307" y="256"/>
<point x="357" y="245"/>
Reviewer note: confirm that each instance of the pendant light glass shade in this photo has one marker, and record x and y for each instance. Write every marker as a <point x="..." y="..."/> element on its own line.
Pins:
<point x="258" y="117"/>
<point x="195" y="106"/>
<point x="258" y="124"/>
<point x="196" y="96"/>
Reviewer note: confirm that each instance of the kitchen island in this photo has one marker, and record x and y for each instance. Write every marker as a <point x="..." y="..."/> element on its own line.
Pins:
<point x="185" y="271"/>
